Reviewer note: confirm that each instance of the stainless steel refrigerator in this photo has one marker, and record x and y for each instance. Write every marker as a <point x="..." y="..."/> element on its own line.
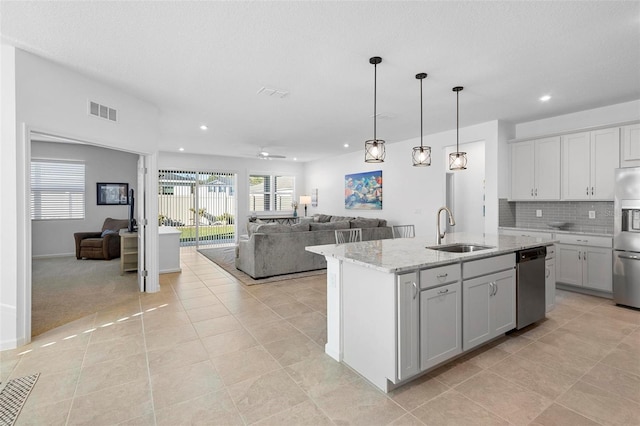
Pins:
<point x="626" y="238"/>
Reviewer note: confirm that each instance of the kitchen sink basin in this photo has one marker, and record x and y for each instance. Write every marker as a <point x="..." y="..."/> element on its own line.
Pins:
<point x="460" y="248"/>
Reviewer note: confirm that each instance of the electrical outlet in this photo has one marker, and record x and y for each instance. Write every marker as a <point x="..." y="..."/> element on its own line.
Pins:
<point x="538" y="213"/>
<point x="592" y="214"/>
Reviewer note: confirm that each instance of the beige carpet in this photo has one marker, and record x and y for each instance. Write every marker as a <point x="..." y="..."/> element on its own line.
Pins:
<point x="225" y="257"/>
<point x="65" y="289"/>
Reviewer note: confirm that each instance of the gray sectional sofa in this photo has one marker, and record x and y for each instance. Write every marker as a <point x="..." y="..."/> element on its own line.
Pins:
<point x="274" y="249"/>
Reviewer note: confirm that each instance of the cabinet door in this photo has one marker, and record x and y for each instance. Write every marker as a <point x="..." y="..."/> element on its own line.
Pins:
<point x="503" y="302"/>
<point x="576" y="184"/>
<point x="547" y="169"/>
<point x="605" y="158"/>
<point x="630" y="146"/>
<point x="522" y="170"/>
<point x="408" y="325"/>
<point x="440" y="324"/>
<point x="550" y="284"/>
<point x="476" y="323"/>
<point x="569" y="264"/>
<point x="598" y="268"/>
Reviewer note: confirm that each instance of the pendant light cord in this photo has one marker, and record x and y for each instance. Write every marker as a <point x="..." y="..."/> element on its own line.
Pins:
<point x="375" y="79"/>
<point x="421" y="115"/>
<point x="457" y="122"/>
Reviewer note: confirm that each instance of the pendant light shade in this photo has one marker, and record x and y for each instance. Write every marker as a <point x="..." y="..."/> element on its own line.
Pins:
<point x="374" y="151"/>
<point x="421" y="154"/>
<point x="458" y="159"/>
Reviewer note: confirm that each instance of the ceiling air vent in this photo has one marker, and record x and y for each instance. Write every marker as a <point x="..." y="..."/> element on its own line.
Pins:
<point x="102" y="111"/>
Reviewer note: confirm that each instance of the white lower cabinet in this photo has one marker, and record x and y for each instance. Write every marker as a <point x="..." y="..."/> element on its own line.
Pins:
<point x="408" y="325"/>
<point x="550" y="284"/>
<point x="489" y="307"/>
<point x="440" y="324"/>
<point x="583" y="265"/>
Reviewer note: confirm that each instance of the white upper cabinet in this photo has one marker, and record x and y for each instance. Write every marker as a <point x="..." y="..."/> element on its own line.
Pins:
<point x="588" y="163"/>
<point x="535" y="169"/>
<point x="630" y="146"/>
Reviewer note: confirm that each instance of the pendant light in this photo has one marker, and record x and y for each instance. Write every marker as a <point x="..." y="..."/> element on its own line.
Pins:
<point x="421" y="154"/>
<point x="458" y="160"/>
<point x="374" y="148"/>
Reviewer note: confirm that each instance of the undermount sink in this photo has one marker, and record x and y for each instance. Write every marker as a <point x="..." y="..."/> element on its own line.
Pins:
<point x="460" y="248"/>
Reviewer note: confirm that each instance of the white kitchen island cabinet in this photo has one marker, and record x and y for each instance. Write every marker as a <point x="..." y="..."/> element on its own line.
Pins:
<point x="395" y="308"/>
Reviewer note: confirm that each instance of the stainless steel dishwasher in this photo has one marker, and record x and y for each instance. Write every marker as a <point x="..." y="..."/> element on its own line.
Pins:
<point x="530" y="286"/>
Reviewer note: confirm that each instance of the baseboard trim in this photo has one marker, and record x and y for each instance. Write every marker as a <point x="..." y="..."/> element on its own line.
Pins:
<point x="52" y="256"/>
<point x="590" y="292"/>
<point x="170" y="271"/>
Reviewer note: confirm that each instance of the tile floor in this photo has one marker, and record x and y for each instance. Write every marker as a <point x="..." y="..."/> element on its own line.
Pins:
<point x="209" y="350"/>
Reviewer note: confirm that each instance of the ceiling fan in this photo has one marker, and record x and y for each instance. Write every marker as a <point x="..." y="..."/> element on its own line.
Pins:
<point x="265" y="155"/>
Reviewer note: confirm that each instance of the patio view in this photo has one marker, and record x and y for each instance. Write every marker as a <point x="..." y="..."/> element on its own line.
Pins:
<point x="202" y="205"/>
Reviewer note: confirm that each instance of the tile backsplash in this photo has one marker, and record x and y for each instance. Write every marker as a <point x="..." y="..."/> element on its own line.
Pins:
<point x="522" y="214"/>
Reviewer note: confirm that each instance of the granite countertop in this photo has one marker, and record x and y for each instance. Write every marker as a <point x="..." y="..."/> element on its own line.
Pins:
<point x="407" y="254"/>
<point x="557" y="231"/>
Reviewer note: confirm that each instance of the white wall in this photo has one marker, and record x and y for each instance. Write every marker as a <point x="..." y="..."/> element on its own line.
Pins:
<point x="469" y="189"/>
<point x="243" y="167"/>
<point x="411" y="195"/>
<point x="53" y="99"/>
<point x="55" y="237"/>
<point x="612" y="114"/>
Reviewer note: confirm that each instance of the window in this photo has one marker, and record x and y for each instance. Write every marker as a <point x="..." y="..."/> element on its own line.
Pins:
<point x="57" y="190"/>
<point x="270" y="193"/>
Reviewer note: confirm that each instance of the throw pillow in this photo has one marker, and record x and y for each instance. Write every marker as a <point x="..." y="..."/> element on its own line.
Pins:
<point x="363" y="222"/>
<point x="107" y="232"/>
<point x="329" y="226"/>
<point x="300" y="227"/>
<point x="382" y="222"/>
<point x="321" y="218"/>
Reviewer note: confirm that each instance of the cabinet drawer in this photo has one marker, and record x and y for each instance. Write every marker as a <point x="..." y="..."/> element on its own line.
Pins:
<point x="438" y="276"/>
<point x="489" y="265"/>
<point x="585" y="240"/>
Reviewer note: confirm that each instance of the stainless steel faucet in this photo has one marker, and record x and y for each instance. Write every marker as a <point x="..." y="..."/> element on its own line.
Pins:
<point x="452" y="222"/>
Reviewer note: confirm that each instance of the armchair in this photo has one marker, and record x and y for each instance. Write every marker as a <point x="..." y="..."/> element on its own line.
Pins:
<point x="101" y="245"/>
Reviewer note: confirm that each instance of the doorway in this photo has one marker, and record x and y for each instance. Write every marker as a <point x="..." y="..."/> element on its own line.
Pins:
<point x="36" y="231"/>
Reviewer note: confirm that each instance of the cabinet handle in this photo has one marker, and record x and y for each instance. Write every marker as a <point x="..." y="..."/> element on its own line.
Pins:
<point x="626" y="256"/>
<point x="490" y="289"/>
<point x="442" y="275"/>
<point x="495" y="285"/>
<point x="536" y="192"/>
<point x="532" y="192"/>
<point x="548" y="273"/>
<point x="584" y="256"/>
<point x="579" y="256"/>
<point x="587" y="190"/>
<point x="592" y="190"/>
<point x="415" y="289"/>
<point x="443" y="291"/>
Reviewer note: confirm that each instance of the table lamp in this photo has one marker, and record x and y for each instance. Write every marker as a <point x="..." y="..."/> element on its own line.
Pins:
<point x="305" y="199"/>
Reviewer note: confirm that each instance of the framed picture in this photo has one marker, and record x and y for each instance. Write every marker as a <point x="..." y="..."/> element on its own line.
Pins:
<point x="314" y="197"/>
<point x="363" y="191"/>
<point x="112" y="193"/>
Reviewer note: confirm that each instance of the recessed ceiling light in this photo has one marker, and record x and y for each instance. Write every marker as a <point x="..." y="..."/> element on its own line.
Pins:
<point x="545" y="98"/>
<point x="180" y="149"/>
<point x="346" y="145"/>
<point x="203" y="127"/>
<point x="295" y="159"/>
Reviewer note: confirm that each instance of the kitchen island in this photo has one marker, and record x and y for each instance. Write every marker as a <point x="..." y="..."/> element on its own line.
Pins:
<point x="399" y="308"/>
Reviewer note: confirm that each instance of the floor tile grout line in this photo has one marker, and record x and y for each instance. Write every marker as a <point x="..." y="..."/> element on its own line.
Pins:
<point x="146" y="355"/>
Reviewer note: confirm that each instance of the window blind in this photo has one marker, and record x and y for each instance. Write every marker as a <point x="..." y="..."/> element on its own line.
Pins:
<point x="57" y="190"/>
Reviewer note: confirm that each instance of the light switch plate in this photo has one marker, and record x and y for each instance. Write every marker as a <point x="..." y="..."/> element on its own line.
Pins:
<point x="592" y="214"/>
<point x="538" y="213"/>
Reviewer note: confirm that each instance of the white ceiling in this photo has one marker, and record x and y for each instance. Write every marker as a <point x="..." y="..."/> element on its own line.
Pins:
<point x="204" y="62"/>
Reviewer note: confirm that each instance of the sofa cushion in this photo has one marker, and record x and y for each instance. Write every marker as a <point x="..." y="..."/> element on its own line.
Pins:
<point x="275" y="228"/>
<point x="363" y="222"/>
<point x="329" y="226"/>
<point x="341" y="218"/>
<point x="252" y="227"/>
<point x="92" y="242"/>
<point x="321" y="218"/>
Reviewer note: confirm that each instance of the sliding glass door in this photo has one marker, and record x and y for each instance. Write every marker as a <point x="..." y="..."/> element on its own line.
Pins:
<point x="202" y="205"/>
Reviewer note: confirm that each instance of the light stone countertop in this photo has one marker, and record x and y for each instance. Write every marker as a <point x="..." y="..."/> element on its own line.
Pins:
<point x="556" y="231"/>
<point x="408" y="254"/>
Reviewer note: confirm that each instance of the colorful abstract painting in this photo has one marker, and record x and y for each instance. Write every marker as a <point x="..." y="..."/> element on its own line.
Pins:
<point x="363" y="191"/>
